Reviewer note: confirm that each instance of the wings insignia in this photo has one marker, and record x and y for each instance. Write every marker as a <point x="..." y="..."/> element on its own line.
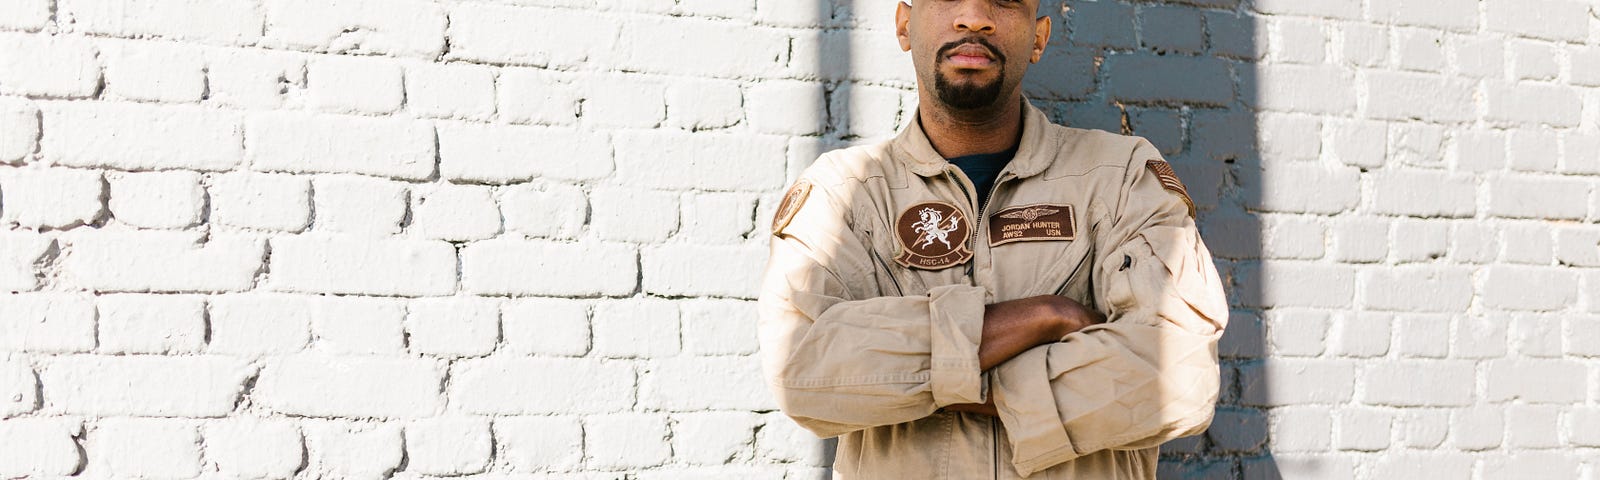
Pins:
<point x="1030" y="214"/>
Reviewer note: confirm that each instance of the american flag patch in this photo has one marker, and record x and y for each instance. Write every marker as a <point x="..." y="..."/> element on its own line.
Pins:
<point x="1169" y="180"/>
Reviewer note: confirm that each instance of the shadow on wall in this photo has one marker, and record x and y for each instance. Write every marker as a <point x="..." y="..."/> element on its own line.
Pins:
<point x="1182" y="76"/>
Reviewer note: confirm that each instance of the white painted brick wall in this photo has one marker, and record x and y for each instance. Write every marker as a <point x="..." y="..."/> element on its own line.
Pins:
<point x="288" y="238"/>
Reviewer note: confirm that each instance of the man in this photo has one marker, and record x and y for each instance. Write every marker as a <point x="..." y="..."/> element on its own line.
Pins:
<point x="989" y="295"/>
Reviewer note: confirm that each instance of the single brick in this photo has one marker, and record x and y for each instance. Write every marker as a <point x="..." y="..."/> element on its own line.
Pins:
<point x="732" y="271"/>
<point x="25" y="15"/>
<point x="310" y="143"/>
<point x="57" y="198"/>
<point x="1419" y="288"/>
<point x="680" y="160"/>
<point x="261" y="201"/>
<point x="1296" y="382"/>
<point x="317" y="385"/>
<point x="144" y="261"/>
<point x="1364" y="429"/>
<point x="406" y="27"/>
<point x="1537" y="197"/>
<point x="249" y="446"/>
<point x="257" y="324"/>
<point x="790" y="107"/>
<point x="47" y="323"/>
<point x="704" y="104"/>
<point x="546" y="326"/>
<point x="358" y="205"/>
<point x="172" y="199"/>
<point x="150" y="324"/>
<point x="501" y="154"/>
<point x="343" y="84"/>
<point x="450" y="91"/>
<point x="1459" y="15"/>
<point x="457" y="326"/>
<point x="356" y="265"/>
<point x="343" y="449"/>
<point x="444" y="211"/>
<point x="499" y="34"/>
<point x="141" y="137"/>
<point x="1422" y="193"/>
<point x="48" y="66"/>
<point x="633" y="215"/>
<point x="632" y="440"/>
<point x="539" y="443"/>
<point x="1419" y="384"/>
<point x="720" y="327"/>
<point x="651" y="43"/>
<point x="358" y="325"/>
<point x="19" y="129"/>
<point x="225" y="22"/>
<point x="40" y="446"/>
<point x="144" y="447"/>
<point x="1416" y="96"/>
<point x="683" y="384"/>
<point x="154" y="71"/>
<point x="781" y="440"/>
<point x="631" y="101"/>
<point x="143" y="385"/>
<point x="1536" y="381"/>
<point x="714" y="438"/>
<point x="1533" y="103"/>
<point x="543" y="209"/>
<point x="253" y="79"/>
<point x="528" y="96"/>
<point x="516" y="267"/>
<point x="1544" y="19"/>
<point x="636" y="329"/>
<point x="448" y="445"/>
<point x="521" y="386"/>
<point x="19" y="387"/>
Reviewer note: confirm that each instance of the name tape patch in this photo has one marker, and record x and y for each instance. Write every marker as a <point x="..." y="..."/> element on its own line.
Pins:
<point x="1031" y="223"/>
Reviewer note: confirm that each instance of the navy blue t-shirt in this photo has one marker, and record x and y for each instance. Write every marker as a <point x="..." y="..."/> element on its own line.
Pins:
<point x="983" y="169"/>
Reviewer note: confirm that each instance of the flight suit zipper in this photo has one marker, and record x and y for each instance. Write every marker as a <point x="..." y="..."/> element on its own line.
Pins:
<point x="977" y="225"/>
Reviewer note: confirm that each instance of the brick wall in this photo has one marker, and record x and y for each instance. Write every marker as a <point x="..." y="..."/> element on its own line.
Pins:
<point x="521" y="239"/>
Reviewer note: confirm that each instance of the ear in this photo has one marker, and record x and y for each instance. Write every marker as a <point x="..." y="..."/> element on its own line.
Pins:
<point x="1041" y="37"/>
<point x="902" y="25"/>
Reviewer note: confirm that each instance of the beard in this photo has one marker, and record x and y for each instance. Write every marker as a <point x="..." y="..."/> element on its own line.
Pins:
<point x="968" y="96"/>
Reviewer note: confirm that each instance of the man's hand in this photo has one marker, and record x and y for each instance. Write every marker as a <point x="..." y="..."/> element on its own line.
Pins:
<point x="1013" y="327"/>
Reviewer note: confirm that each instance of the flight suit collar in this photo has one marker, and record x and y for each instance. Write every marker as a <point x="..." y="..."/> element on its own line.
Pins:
<point x="922" y="159"/>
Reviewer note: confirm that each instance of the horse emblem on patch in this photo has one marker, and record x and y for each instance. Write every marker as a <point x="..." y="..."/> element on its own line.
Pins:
<point x="933" y="236"/>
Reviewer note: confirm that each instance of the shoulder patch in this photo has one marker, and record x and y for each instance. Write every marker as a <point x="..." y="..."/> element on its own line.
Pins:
<point x="933" y="236"/>
<point x="792" y="200"/>
<point x="1169" y="180"/>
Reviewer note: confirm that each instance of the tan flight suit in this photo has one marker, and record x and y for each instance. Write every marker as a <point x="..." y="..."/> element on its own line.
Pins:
<point x="871" y="309"/>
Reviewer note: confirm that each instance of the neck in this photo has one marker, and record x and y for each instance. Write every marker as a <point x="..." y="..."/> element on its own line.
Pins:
<point x="969" y="132"/>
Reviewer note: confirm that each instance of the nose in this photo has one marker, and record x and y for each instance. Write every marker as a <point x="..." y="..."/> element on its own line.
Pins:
<point x="974" y="16"/>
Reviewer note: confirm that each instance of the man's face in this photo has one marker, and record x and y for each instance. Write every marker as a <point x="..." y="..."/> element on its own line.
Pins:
<point x="972" y="52"/>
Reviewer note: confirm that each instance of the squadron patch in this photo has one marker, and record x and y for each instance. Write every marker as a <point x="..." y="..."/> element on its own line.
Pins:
<point x="933" y="236"/>
<point x="1041" y="221"/>
<point x="792" y="200"/>
<point x="1169" y="180"/>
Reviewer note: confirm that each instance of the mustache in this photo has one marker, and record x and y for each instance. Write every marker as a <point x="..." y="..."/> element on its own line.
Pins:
<point x="945" y="49"/>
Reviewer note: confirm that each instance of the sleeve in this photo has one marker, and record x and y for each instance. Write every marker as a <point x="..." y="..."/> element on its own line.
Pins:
<point x="1149" y="373"/>
<point x="839" y="358"/>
